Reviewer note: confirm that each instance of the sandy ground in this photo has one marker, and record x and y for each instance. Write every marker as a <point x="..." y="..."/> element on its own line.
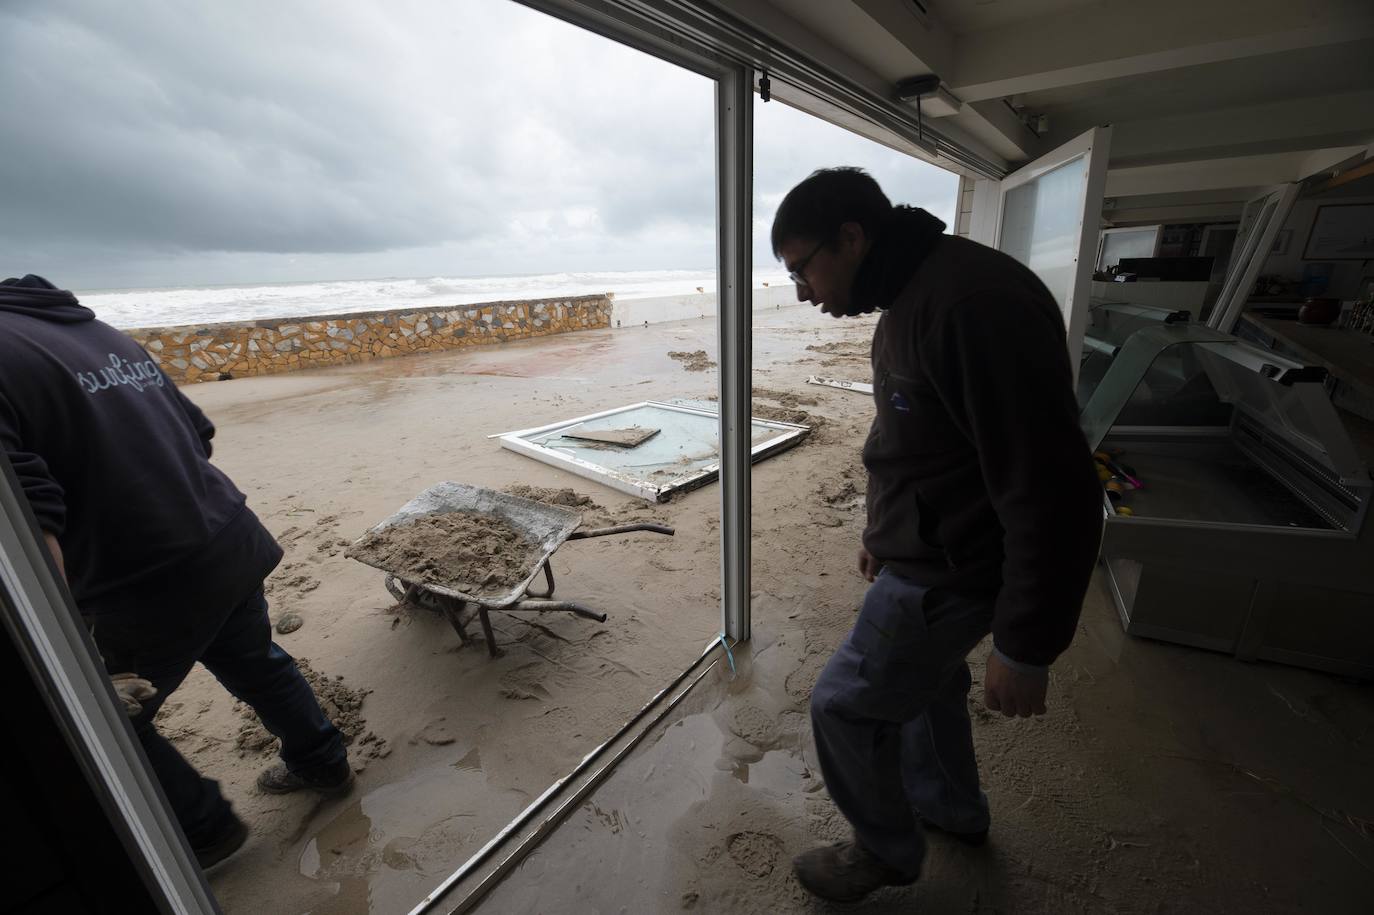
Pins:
<point x="451" y="744"/>
<point x="1165" y="779"/>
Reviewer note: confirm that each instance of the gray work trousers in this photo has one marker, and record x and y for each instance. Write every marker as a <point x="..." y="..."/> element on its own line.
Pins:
<point x="891" y="722"/>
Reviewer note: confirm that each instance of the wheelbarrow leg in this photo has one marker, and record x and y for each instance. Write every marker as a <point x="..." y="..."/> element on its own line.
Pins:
<point x="486" y="630"/>
<point x="548" y="581"/>
<point x="453" y="612"/>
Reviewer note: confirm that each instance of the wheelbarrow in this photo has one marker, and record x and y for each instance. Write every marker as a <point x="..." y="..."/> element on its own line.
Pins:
<point x="547" y="526"/>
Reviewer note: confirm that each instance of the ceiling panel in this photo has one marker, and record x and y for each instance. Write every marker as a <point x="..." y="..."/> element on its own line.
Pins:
<point x="964" y="16"/>
<point x="1326" y="70"/>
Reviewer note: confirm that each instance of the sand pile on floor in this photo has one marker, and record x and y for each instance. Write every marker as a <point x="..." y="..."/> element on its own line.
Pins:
<point x="594" y="514"/>
<point x="786" y="398"/>
<point x="565" y="497"/>
<point x="786" y="408"/>
<point x="786" y="414"/>
<point x="842" y="348"/>
<point x="696" y="361"/>
<point x="840" y="493"/>
<point x="475" y="554"/>
<point x="340" y="702"/>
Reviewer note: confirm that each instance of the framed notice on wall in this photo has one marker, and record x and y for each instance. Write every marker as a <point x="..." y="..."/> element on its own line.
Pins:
<point x="1341" y="232"/>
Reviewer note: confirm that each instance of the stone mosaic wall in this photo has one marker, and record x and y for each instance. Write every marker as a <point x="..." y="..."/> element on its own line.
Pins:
<point x="217" y="352"/>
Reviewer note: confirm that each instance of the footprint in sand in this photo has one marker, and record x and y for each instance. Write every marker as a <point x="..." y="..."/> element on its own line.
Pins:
<point x="525" y="683"/>
<point x="332" y="546"/>
<point x="437" y="733"/>
<point x="755" y="726"/>
<point x="756" y="853"/>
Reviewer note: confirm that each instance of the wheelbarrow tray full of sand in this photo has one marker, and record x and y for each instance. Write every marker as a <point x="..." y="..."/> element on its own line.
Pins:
<point x="543" y="525"/>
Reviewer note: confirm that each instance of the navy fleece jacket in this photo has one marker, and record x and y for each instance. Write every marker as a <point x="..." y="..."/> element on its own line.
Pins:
<point x="115" y="462"/>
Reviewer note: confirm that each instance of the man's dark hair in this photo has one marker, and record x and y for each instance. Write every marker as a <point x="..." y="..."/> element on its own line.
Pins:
<point x="828" y="198"/>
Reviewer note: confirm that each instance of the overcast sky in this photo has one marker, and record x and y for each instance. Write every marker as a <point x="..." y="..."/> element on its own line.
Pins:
<point x="168" y="142"/>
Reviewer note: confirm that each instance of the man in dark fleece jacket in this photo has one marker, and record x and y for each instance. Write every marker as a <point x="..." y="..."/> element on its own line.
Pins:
<point x="984" y="514"/>
<point x="159" y="548"/>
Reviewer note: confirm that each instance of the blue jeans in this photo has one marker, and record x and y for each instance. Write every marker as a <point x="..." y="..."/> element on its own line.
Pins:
<point x="891" y="723"/>
<point x="162" y="645"/>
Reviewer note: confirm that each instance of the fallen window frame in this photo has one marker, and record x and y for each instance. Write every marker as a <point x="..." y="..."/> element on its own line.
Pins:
<point x="789" y="434"/>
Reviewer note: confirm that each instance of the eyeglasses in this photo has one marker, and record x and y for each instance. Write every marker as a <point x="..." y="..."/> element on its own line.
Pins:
<point x="797" y="273"/>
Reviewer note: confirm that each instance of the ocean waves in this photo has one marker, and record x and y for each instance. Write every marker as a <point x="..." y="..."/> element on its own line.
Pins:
<point x="217" y="304"/>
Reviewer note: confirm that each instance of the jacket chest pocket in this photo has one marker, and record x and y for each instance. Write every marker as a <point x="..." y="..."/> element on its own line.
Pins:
<point x="913" y="415"/>
<point x="900" y="398"/>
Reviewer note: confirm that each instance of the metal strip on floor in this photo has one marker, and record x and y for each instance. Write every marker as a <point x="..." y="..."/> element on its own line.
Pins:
<point x="465" y="888"/>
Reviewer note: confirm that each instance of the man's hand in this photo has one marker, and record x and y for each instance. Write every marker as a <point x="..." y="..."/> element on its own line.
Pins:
<point x="868" y="566"/>
<point x="1013" y="693"/>
<point x="56" y="549"/>
<point x="132" y="690"/>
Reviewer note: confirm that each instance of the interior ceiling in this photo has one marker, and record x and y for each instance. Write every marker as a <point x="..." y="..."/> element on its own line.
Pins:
<point x="1189" y="86"/>
<point x="1302" y="73"/>
<point x="966" y="16"/>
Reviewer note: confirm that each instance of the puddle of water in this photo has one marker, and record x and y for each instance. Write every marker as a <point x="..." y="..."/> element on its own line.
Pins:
<point x="779" y="773"/>
<point x="385" y="851"/>
<point x="629" y="823"/>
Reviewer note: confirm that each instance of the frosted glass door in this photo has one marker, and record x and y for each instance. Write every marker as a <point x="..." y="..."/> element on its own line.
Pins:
<point x="1049" y="215"/>
<point x="1041" y="220"/>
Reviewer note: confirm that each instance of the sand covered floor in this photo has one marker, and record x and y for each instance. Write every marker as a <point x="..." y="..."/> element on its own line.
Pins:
<point x="451" y="743"/>
<point x="1165" y="779"/>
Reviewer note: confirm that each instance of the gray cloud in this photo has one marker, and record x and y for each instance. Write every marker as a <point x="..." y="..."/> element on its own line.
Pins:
<point x="152" y="142"/>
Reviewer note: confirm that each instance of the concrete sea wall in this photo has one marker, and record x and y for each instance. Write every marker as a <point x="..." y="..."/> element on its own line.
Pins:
<point x="212" y="352"/>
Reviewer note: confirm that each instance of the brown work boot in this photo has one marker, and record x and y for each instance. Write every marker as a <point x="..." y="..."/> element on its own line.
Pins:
<point x="846" y="872"/>
<point x="226" y="840"/>
<point x="331" y="781"/>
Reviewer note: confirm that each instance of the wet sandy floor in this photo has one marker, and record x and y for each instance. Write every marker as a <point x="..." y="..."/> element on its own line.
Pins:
<point x="458" y="743"/>
<point x="1165" y="779"/>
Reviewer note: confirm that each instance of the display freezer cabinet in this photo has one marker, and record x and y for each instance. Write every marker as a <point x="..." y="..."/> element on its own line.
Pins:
<point x="1110" y="325"/>
<point x="1248" y="533"/>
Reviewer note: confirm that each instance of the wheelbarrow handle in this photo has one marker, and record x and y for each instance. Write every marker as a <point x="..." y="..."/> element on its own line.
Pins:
<point x="623" y="529"/>
<point x="545" y="606"/>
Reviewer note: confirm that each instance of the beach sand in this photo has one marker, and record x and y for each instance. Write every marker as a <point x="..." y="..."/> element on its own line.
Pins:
<point x="457" y="742"/>
<point x="1127" y="797"/>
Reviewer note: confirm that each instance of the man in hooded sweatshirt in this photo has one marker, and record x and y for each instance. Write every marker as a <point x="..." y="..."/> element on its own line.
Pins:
<point x="984" y="514"/>
<point x="159" y="548"/>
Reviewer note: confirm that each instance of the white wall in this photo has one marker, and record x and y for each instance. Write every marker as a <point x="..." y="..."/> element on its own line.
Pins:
<point x="635" y="312"/>
<point x="1178" y="296"/>
<point x="963" y="220"/>
<point x="1345" y="278"/>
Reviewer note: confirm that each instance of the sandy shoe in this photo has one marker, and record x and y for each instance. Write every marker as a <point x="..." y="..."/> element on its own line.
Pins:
<point x="331" y="781"/>
<point x="846" y="872"/>
<point x="229" y="840"/>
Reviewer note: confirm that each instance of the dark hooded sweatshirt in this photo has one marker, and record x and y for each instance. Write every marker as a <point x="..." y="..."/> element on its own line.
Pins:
<point x="115" y="461"/>
<point x="980" y="480"/>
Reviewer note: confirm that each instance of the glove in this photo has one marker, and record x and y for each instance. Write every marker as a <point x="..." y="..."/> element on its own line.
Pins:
<point x="132" y="690"/>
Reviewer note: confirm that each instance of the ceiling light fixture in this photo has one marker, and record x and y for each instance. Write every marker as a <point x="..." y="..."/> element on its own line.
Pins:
<point x="930" y="98"/>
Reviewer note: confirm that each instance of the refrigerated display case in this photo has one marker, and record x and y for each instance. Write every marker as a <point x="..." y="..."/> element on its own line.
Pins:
<point x="1110" y="325"/>
<point x="1248" y="533"/>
